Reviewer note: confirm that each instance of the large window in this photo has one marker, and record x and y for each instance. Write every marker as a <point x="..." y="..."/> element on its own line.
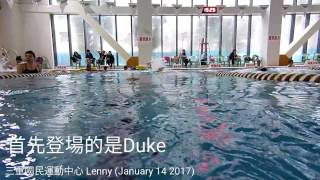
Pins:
<point x="299" y="2"/>
<point x="123" y="2"/>
<point x="244" y="2"/>
<point x="168" y="3"/>
<point x="77" y="36"/>
<point x="108" y="24"/>
<point x="184" y="33"/>
<point x="214" y="2"/>
<point x="213" y="35"/>
<point x="185" y="3"/>
<point x="199" y="26"/>
<point x="169" y="35"/>
<point x="260" y="2"/>
<point x="135" y="36"/>
<point x="313" y="41"/>
<point x="61" y="38"/>
<point x="256" y="29"/>
<point x="242" y="35"/>
<point x="124" y="35"/>
<point x="298" y="30"/>
<point x="285" y="33"/>
<point x="93" y="39"/>
<point x="229" y="3"/>
<point x="316" y="2"/>
<point x="156" y="2"/>
<point x="227" y="35"/>
<point x="156" y="37"/>
<point x="199" y="2"/>
<point x="288" y="2"/>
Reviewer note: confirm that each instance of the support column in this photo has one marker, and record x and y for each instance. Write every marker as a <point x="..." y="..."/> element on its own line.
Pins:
<point x="271" y="21"/>
<point x="144" y="29"/>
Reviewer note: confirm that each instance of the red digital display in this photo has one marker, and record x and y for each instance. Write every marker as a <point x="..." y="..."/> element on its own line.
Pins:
<point x="209" y="10"/>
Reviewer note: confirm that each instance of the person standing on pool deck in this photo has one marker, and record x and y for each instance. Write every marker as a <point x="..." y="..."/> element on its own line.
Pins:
<point x="29" y="65"/>
<point x="233" y="56"/>
<point x="110" y="59"/>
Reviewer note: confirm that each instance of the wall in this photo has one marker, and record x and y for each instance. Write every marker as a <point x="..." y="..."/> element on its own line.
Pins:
<point x="22" y="31"/>
<point x="37" y="35"/>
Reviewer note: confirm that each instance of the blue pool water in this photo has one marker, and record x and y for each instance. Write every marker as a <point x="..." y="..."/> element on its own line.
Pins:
<point x="223" y="127"/>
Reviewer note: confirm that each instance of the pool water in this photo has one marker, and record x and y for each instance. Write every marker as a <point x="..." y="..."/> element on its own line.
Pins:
<point x="223" y="127"/>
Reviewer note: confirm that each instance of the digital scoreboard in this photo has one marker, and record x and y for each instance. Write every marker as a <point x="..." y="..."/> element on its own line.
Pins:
<point x="209" y="10"/>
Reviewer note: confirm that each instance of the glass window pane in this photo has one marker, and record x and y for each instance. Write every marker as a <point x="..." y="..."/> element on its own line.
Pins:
<point x="299" y="2"/>
<point x="168" y="3"/>
<point x="199" y="25"/>
<point x="244" y="2"/>
<point x="288" y="2"/>
<point x="214" y="2"/>
<point x="169" y="35"/>
<point x="124" y="35"/>
<point x="242" y="35"/>
<point x="213" y="35"/>
<point x="256" y="29"/>
<point x="77" y="36"/>
<point x="184" y="33"/>
<point x="122" y="2"/>
<point x="227" y="35"/>
<point x="313" y="41"/>
<point x="298" y="29"/>
<point x="135" y="43"/>
<point x="62" y="41"/>
<point x="229" y="3"/>
<point x="285" y="33"/>
<point x="108" y="24"/>
<point x="260" y="2"/>
<point x="93" y="39"/>
<point x="156" y="37"/>
<point x="199" y="2"/>
<point x="316" y="2"/>
<point x="156" y="2"/>
<point x="185" y="3"/>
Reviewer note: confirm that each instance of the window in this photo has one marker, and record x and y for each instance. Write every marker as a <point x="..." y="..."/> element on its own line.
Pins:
<point x="299" y="2"/>
<point x="185" y="3"/>
<point x="199" y="2"/>
<point x="288" y="2"/>
<point x="124" y="35"/>
<point x="316" y="2"/>
<point x="261" y="2"/>
<point x="108" y="24"/>
<point x="199" y="25"/>
<point x="242" y="35"/>
<point x="213" y="35"/>
<point x="135" y="35"/>
<point x="214" y="2"/>
<point x="227" y="35"/>
<point x="168" y="3"/>
<point x="285" y="33"/>
<point x="298" y="29"/>
<point x="229" y="3"/>
<point x="156" y="37"/>
<point x="169" y="35"/>
<point x="77" y="36"/>
<point x="256" y="29"/>
<point x="62" y="41"/>
<point x="156" y="2"/>
<point x="184" y="33"/>
<point x="313" y="41"/>
<point x="244" y="2"/>
<point x="93" y="40"/>
<point x="122" y="2"/>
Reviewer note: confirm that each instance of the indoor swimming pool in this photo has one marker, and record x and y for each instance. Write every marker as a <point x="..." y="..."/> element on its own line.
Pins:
<point x="222" y="127"/>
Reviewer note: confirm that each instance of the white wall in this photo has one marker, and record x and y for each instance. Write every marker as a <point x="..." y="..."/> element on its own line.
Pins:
<point x="37" y="35"/>
<point x="21" y="31"/>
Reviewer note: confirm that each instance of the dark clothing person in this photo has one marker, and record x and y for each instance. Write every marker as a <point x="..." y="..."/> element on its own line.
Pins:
<point x="183" y="57"/>
<point x="233" y="56"/>
<point x="204" y="58"/>
<point x="110" y="59"/>
<point x="90" y="57"/>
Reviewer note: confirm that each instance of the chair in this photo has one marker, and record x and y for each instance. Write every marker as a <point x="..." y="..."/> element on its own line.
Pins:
<point x="166" y="60"/>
